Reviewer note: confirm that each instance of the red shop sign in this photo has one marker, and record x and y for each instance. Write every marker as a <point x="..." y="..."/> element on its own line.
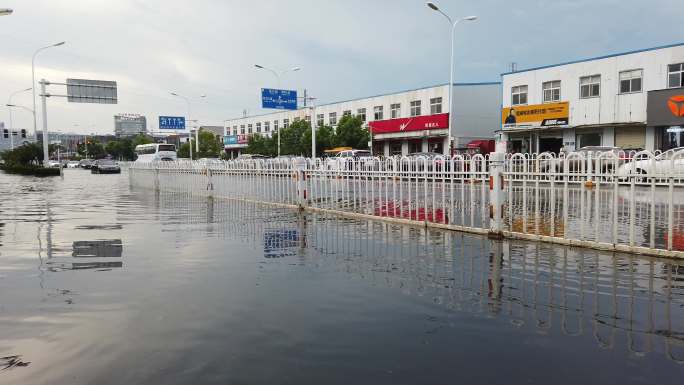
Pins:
<point x="416" y="123"/>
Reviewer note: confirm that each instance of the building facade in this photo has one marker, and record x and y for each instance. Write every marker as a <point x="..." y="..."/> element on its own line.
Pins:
<point x="129" y="125"/>
<point x="399" y="123"/>
<point x="631" y="100"/>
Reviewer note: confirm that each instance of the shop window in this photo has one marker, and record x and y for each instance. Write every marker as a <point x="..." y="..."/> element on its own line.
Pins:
<point x="395" y="110"/>
<point x="332" y="118"/>
<point x="435" y="106"/>
<point x="415" y="146"/>
<point x="589" y="139"/>
<point x="436" y="146"/>
<point x="395" y="148"/>
<point x="377" y="113"/>
<point x="258" y="127"/>
<point x="518" y="95"/>
<point x="551" y="91"/>
<point x="675" y="75"/>
<point x="672" y="137"/>
<point x="630" y="81"/>
<point x="415" y="108"/>
<point x="267" y="126"/>
<point x="320" y="120"/>
<point x="590" y="86"/>
<point x="361" y="113"/>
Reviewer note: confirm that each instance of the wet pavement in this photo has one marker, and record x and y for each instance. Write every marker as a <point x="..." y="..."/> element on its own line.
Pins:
<point x="103" y="284"/>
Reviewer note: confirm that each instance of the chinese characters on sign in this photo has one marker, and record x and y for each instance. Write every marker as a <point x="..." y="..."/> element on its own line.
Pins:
<point x="172" y="123"/>
<point x="278" y="99"/>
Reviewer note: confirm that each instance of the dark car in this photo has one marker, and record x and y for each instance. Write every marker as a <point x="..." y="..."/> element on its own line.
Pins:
<point x="85" y="163"/>
<point x="105" y="166"/>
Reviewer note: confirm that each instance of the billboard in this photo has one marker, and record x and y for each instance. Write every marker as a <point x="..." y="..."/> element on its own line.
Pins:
<point x="235" y="140"/>
<point x="278" y="99"/>
<point x="91" y="91"/>
<point x="665" y="107"/>
<point x="172" y="123"/>
<point x="416" y="123"/>
<point x="536" y="115"/>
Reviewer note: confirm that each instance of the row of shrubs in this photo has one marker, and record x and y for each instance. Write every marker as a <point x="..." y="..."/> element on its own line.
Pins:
<point x="24" y="160"/>
<point x="29" y="170"/>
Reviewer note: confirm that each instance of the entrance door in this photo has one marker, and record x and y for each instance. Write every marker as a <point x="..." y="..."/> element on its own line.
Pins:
<point x="436" y="145"/>
<point x="550" y="144"/>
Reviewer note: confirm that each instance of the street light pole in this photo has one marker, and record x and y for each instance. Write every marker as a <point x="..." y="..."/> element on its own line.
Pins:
<point x="278" y="75"/>
<point x="9" y="108"/>
<point x="33" y="82"/>
<point x="187" y="100"/>
<point x="453" y="24"/>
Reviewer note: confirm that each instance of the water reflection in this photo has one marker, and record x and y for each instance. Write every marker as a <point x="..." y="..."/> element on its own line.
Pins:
<point x="548" y="288"/>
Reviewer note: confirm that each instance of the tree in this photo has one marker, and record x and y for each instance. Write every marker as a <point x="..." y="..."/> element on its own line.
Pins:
<point x="209" y="147"/>
<point x="262" y="145"/>
<point x="325" y="139"/>
<point x="23" y="155"/>
<point x="351" y="133"/>
<point x="93" y="148"/>
<point x="292" y="141"/>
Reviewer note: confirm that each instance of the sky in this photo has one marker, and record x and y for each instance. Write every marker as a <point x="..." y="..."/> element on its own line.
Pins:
<point x="346" y="49"/>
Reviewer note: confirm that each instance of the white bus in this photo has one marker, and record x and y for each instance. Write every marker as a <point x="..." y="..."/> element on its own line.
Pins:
<point x="155" y="152"/>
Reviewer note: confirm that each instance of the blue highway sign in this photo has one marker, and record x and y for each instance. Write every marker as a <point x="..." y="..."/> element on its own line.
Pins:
<point x="172" y="123"/>
<point x="278" y="99"/>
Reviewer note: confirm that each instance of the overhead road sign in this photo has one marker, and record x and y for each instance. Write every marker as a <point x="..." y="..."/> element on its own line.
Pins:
<point x="91" y="91"/>
<point x="278" y="99"/>
<point x="172" y="123"/>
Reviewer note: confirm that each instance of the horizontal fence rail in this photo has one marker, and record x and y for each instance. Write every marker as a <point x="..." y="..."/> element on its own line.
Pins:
<point x="630" y="202"/>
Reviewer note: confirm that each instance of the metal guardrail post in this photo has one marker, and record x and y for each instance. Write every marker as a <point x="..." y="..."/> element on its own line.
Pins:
<point x="300" y="179"/>
<point x="496" y="194"/>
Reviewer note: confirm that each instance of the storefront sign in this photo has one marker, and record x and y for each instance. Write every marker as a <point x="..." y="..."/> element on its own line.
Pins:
<point x="416" y="123"/>
<point x="235" y="140"/>
<point x="665" y="107"/>
<point x="536" y="115"/>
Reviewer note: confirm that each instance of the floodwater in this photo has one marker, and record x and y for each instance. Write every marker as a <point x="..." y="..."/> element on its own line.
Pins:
<point x="101" y="284"/>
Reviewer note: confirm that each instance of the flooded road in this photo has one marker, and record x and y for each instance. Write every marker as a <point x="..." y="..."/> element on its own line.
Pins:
<point x="103" y="284"/>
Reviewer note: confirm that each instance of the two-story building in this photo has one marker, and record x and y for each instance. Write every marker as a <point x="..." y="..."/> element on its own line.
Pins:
<point x="399" y="123"/>
<point x="631" y="100"/>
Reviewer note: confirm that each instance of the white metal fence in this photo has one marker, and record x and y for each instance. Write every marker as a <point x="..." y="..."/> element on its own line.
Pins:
<point x="627" y="202"/>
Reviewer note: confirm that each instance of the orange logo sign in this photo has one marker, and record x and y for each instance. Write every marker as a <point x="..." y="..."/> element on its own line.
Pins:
<point x="676" y="104"/>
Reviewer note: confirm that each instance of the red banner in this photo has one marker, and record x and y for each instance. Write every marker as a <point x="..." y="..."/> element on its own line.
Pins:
<point x="416" y="123"/>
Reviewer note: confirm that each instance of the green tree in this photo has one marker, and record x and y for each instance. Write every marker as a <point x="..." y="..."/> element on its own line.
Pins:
<point x="262" y="145"/>
<point x="351" y="133"/>
<point x="325" y="139"/>
<point x="209" y="147"/>
<point x="23" y="155"/>
<point x="93" y="148"/>
<point x="292" y="141"/>
<point x="184" y="150"/>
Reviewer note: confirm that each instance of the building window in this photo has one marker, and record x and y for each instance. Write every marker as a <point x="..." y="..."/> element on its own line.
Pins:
<point x="267" y="126"/>
<point x="415" y="108"/>
<point x="395" y="110"/>
<point x="286" y="123"/>
<point x="242" y="129"/>
<point x="258" y="127"/>
<point x="675" y="75"/>
<point x="518" y="95"/>
<point x="320" y="120"/>
<point x="275" y="125"/>
<point x="630" y="81"/>
<point x="307" y="119"/>
<point x="435" y="106"/>
<point x="361" y="113"/>
<point x="235" y="131"/>
<point x="551" y="91"/>
<point x="332" y="117"/>
<point x="296" y="119"/>
<point x="249" y="128"/>
<point x="590" y="86"/>
<point x="377" y="113"/>
<point x="346" y="113"/>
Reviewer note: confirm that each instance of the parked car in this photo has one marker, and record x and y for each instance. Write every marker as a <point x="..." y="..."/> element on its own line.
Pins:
<point x="605" y="165"/>
<point x="669" y="162"/>
<point x="54" y="164"/>
<point x="251" y="156"/>
<point x="73" y="164"/>
<point x="85" y="163"/>
<point x="418" y="161"/>
<point x="105" y="166"/>
<point x="345" y="160"/>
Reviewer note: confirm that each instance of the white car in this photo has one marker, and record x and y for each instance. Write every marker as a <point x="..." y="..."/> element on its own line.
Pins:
<point x="350" y="159"/>
<point x="73" y="164"/>
<point x="54" y="164"/>
<point x="668" y="163"/>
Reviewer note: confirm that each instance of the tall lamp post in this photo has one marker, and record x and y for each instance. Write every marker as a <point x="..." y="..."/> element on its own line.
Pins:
<point x="9" y="108"/>
<point x="33" y="85"/>
<point x="187" y="100"/>
<point x="278" y="75"/>
<point x="453" y="24"/>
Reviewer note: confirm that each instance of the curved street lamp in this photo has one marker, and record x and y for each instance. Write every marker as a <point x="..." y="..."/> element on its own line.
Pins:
<point x="453" y="24"/>
<point x="187" y="100"/>
<point x="10" y="105"/>
<point x="33" y="82"/>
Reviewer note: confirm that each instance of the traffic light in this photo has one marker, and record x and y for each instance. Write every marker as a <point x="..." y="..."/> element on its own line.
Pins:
<point x="5" y="133"/>
<point x="23" y="133"/>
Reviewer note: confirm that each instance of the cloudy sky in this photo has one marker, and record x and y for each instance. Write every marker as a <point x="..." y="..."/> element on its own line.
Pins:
<point x="346" y="49"/>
